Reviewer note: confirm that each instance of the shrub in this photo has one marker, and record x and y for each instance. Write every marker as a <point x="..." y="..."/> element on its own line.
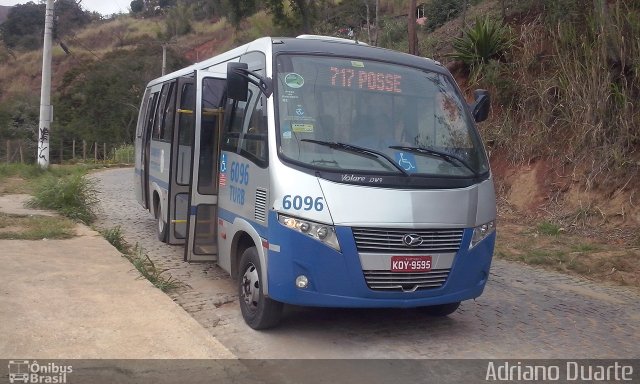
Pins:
<point x="150" y="271"/>
<point x="115" y="237"/>
<point x="441" y="11"/>
<point x="487" y="39"/>
<point x="124" y="154"/>
<point x="74" y="196"/>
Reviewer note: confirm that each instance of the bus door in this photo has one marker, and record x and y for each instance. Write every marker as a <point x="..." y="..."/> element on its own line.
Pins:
<point x="145" y="146"/>
<point x="203" y="203"/>
<point x="181" y="157"/>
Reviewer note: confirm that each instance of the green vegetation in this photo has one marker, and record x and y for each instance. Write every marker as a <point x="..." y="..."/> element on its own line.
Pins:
<point x="140" y="260"/>
<point x="115" y="237"/>
<point x="149" y="271"/>
<point x="21" y="227"/>
<point x="548" y="229"/>
<point x="26" y="178"/>
<point x="566" y="91"/>
<point x="73" y="196"/>
<point x="570" y="253"/>
<point x="123" y="154"/>
<point x="23" y="28"/>
<point x="440" y="11"/>
<point x="487" y="39"/>
<point x="99" y="102"/>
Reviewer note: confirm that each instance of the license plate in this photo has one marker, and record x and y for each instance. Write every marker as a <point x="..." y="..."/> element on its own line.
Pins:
<point x="410" y="263"/>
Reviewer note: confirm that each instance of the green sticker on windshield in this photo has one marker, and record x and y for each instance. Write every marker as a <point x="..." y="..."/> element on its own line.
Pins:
<point x="302" y="128"/>
<point x="293" y="80"/>
<point x="357" y="64"/>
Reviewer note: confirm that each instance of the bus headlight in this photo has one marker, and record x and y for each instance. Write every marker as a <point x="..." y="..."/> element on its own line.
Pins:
<point x="321" y="232"/>
<point x="481" y="232"/>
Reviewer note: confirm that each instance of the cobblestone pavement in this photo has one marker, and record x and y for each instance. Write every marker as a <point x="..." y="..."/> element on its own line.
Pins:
<point x="523" y="313"/>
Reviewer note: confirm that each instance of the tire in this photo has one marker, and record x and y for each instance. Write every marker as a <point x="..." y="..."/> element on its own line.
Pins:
<point x="161" y="226"/>
<point x="258" y="311"/>
<point x="441" y="310"/>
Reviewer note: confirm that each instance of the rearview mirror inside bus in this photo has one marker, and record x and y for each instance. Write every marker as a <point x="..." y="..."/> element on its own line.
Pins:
<point x="237" y="82"/>
<point x="480" y="107"/>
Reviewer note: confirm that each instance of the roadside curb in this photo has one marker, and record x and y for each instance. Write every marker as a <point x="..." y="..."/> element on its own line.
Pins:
<point x="81" y="298"/>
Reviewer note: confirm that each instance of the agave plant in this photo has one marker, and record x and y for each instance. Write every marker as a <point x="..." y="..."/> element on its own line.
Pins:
<point x="487" y="39"/>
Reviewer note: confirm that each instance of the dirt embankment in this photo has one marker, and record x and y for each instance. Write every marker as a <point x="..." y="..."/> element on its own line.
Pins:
<point x="559" y="220"/>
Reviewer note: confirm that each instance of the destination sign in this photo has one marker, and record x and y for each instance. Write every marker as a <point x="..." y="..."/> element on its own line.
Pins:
<point x="367" y="80"/>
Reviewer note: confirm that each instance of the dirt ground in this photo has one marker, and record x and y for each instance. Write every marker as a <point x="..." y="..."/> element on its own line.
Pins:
<point x="552" y="219"/>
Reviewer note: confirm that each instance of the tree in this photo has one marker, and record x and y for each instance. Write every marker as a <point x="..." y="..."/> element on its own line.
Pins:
<point x="294" y="15"/>
<point x="68" y="17"/>
<point x="99" y="101"/>
<point x="24" y="26"/>
<point x="177" y="22"/>
<point x="137" y="6"/>
<point x="236" y="10"/>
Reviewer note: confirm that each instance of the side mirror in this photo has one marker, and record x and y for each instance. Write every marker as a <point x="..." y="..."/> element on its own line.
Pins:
<point x="480" y="108"/>
<point x="237" y="82"/>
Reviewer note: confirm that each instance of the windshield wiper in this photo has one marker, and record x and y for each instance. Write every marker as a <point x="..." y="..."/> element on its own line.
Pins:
<point x="370" y="153"/>
<point x="448" y="157"/>
<point x="326" y="162"/>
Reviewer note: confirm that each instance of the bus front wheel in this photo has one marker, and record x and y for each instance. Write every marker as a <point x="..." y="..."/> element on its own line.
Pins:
<point x="258" y="311"/>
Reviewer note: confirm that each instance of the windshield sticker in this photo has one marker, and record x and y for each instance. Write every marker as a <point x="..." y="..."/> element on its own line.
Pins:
<point x="286" y="135"/>
<point x="357" y="64"/>
<point x="223" y="170"/>
<point x="406" y="161"/>
<point x="293" y="80"/>
<point x="302" y="128"/>
<point x="289" y="94"/>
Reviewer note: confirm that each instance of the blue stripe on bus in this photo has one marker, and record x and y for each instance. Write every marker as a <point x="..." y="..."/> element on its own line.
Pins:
<point x="230" y="217"/>
<point x="222" y="213"/>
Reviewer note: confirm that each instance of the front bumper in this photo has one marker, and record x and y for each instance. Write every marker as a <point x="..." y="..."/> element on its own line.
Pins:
<point x="336" y="278"/>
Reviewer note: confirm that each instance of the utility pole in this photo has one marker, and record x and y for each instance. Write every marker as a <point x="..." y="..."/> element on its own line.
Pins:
<point x="46" y="110"/>
<point x="413" y="35"/>
<point x="164" y="59"/>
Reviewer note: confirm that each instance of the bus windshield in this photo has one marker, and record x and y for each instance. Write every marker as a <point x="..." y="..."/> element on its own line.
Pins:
<point x="411" y="116"/>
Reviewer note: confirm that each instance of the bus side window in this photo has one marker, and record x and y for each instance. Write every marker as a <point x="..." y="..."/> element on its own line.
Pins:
<point x="163" y="127"/>
<point x="213" y="95"/>
<point x="255" y="139"/>
<point x="169" y="114"/>
<point x="233" y="129"/>
<point x="143" y="113"/>
<point x="150" y="113"/>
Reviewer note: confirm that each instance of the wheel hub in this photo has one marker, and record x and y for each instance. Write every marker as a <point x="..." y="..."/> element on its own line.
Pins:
<point x="251" y="287"/>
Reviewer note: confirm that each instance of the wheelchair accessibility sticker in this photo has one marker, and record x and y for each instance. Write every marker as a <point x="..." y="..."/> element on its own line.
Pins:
<point x="406" y="161"/>
<point x="223" y="171"/>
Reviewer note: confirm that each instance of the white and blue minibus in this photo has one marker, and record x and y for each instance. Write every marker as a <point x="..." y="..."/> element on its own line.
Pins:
<point x="320" y="171"/>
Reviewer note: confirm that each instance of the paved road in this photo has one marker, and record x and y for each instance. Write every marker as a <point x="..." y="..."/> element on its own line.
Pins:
<point x="524" y="312"/>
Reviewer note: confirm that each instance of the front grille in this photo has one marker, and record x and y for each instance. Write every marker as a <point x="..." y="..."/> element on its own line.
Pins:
<point x="383" y="240"/>
<point x="406" y="282"/>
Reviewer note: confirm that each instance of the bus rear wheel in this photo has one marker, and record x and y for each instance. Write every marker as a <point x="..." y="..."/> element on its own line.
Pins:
<point x="161" y="226"/>
<point x="258" y="311"/>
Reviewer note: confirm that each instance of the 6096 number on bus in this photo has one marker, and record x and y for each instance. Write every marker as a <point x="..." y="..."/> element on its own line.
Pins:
<point x="306" y="203"/>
